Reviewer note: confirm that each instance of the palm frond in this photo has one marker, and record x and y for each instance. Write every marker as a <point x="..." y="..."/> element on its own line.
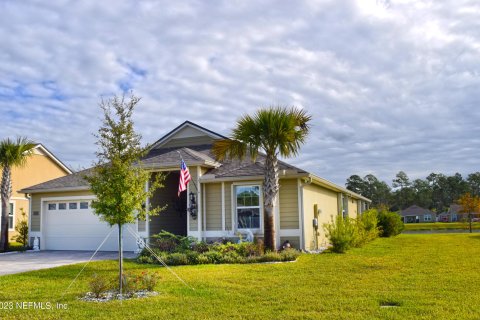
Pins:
<point x="15" y="153"/>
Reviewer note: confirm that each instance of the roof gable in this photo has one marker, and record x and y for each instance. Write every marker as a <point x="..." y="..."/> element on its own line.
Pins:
<point x="41" y="150"/>
<point x="187" y="134"/>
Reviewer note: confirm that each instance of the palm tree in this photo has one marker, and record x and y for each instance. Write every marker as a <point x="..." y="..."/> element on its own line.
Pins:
<point x="13" y="153"/>
<point x="275" y="131"/>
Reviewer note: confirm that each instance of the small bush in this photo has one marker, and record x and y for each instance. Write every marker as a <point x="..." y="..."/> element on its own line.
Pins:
<point x="98" y="285"/>
<point x="390" y="223"/>
<point x="203" y="259"/>
<point x="214" y="256"/>
<point x="149" y="280"/>
<point x="145" y="259"/>
<point x="176" y="259"/>
<point x="192" y="257"/>
<point x="289" y="254"/>
<point x="340" y="232"/>
<point x="366" y="228"/>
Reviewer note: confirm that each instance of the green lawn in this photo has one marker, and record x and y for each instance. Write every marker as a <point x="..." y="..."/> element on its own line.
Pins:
<point x="434" y="276"/>
<point x="440" y="226"/>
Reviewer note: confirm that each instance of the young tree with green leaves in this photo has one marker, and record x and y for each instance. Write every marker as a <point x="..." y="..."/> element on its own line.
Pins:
<point x="118" y="179"/>
<point x="13" y="153"/>
<point x="277" y="131"/>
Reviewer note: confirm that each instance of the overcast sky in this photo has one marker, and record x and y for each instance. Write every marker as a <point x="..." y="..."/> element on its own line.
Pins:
<point x="391" y="85"/>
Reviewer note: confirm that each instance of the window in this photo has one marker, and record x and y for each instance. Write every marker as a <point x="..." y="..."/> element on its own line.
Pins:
<point x="72" y="205"/>
<point x="83" y="205"/>
<point x="62" y="206"/>
<point x="248" y="207"/>
<point x="427" y="217"/>
<point x="11" y="214"/>
<point x="52" y="206"/>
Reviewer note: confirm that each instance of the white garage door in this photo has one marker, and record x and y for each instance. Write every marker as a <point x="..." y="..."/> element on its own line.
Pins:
<point x="71" y="225"/>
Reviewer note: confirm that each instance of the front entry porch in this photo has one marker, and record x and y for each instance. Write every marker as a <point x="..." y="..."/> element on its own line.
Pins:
<point x="174" y="217"/>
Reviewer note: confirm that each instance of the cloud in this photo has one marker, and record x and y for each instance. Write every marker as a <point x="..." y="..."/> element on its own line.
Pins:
<point x="392" y="85"/>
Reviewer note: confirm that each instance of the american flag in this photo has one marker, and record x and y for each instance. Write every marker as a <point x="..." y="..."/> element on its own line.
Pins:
<point x="184" y="177"/>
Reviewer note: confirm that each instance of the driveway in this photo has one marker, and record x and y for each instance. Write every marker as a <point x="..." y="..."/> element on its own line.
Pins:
<point x="28" y="261"/>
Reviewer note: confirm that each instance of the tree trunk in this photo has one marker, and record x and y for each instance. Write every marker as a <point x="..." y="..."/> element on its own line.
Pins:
<point x="6" y="192"/>
<point x="120" y="259"/>
<point x="270" y="192"/>
<point x="470" y="218"/>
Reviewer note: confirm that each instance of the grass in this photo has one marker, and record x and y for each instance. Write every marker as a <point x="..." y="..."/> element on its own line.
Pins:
<point x="412" y="276"/>
<point x="440" y="226"/>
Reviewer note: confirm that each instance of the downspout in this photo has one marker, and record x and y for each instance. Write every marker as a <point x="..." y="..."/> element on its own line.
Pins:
<point x="30" y="213"/>
<point x="302" y="217"/>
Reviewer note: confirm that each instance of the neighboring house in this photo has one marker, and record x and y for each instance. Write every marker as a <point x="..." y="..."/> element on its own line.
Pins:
<point x="455" y="213"/>
<point x="228" y="198"/>
<point x="416" y="214"/>
<point x="41" y="166"/>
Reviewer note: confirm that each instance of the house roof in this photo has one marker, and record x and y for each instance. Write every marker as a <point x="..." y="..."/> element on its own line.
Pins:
<point x="74" y="181"/>
<point x="415" y="210"/>
<point x="168" y="158"/>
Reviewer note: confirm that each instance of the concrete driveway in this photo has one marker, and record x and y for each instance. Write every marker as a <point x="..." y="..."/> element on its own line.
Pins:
<point x="28" y="261"/>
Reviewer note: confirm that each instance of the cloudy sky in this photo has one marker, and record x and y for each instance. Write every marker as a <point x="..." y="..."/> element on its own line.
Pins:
<point x="391" y="85"/>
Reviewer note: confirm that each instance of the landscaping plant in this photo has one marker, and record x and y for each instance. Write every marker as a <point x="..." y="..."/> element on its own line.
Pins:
<point x="390" y="223"/>
<point x="340" y="232"/>
<point x="22" y="229"/>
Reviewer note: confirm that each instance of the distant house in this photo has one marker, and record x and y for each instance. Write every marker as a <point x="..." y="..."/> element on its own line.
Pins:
<point x="455" y="213"/>
<point x="416" y="214"/>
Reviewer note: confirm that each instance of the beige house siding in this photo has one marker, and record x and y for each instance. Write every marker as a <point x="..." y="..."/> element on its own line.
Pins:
<point x="213" y="205"/>
<point x="228" y="205"/>
<point x="352" y="207"/>
<point x="189" y="141"/>
<point x="327" y="202"/>
<point x="37" y="203"/>
<point x="288" y="199"/>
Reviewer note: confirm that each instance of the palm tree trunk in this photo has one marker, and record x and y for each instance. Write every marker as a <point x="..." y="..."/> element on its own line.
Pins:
<point x="270" y="192"/>
<point x="6" y="192"/>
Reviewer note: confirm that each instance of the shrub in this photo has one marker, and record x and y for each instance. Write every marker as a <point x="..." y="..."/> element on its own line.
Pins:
<point x="203" y="259"/>
<point x="340" y="232"/>
<point x="390" y="223"/>
<point x="214" y="256"/>
<point x="98" y="285"/>
<point x="366" y="228"/>
<point x="22" y="229"/>
<point x="145" y="259"/>
<point x="149" y="280"/>
<point x="192" y="257"/>
<point x="176" y="259"/>
<point x="289" y="254"/>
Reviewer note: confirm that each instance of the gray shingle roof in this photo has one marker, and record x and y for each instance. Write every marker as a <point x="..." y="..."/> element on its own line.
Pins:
<point x="71" y="181"/>
<point x="168" y="158"/>
<point x="415" y="210"/>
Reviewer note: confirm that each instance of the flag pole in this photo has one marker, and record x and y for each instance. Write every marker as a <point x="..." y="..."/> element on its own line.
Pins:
<point x="186" y="164"/>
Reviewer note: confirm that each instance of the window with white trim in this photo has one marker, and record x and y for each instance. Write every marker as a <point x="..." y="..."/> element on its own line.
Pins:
<point x="52" y="206"/>
<point x="427" y="217"/>
<point x="11" y="215"/>
<point x="84" y="205"/>
<point x="248" y="206"/>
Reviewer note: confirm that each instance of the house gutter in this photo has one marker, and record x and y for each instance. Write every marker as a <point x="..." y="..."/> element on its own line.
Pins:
<point x="65" y="189"/>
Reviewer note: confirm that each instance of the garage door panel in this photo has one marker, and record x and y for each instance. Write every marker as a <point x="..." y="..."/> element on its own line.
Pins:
<point x="82" y="230"/>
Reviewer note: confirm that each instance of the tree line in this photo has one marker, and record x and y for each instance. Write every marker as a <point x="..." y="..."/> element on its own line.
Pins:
<point x="436" y="192"/>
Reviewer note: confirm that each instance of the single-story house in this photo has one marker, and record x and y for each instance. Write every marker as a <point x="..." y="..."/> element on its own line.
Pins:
<point x="41" y="166"/>
<point x="228" y="198"/>
<point x="416" y="214"/>
<point x="455" y="213"/>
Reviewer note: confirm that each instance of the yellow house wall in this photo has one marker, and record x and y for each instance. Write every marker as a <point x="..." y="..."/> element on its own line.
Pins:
<point x="328" y="204"/>
<point x="39" y="168"/>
